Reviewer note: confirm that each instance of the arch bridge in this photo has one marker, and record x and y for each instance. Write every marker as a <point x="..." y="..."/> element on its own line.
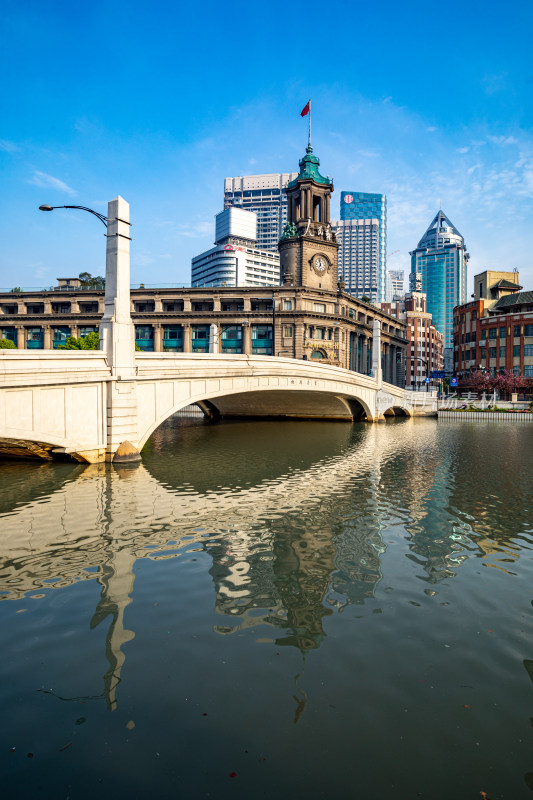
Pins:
<point x="71" y="402"/>
<point x="103" y="405"/>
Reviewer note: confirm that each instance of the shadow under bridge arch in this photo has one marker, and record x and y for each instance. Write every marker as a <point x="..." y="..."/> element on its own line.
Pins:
<point x="271" y="404"/>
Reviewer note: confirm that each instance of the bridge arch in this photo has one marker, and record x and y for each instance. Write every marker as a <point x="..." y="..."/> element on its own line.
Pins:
<point x="397" y="411"/>
<point x="267" y="403"/>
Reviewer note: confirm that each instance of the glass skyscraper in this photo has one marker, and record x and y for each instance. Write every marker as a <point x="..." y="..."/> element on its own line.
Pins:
<point x="362" y="260"/>
<point x="438" y="268"/>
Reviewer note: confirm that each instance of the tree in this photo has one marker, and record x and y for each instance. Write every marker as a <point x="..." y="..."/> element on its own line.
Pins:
<point x="7" y="344"/>
<point x="88" y="282"/>
<point x="89" y="342"/>
<point x="480" y="381"/>
<point x="507" y="382"/>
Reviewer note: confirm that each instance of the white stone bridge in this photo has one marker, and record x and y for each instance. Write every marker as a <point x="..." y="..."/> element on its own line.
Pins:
<point x="88" y="404"/>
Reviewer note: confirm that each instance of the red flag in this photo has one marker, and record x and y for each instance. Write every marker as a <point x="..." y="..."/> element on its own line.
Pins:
<point x="306" y="109"/>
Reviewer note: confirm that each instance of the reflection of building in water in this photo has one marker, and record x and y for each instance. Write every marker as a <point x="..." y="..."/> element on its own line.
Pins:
<point x="358" y="561"/>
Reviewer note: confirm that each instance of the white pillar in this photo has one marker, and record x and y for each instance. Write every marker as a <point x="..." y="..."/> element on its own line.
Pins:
<point x="117" y="338"/>
<point x="213" y="338"/>
<point x="117" y="332"/>
<point x="376" y="353"/>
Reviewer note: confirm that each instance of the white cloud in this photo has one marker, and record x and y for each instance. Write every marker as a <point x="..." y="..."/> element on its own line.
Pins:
<point x="50" y="182"/>
<point x="431" y="129"/>
<point x="9" y="147"/>
<point x="463" y="149"/>
<point x="502" y="139"/>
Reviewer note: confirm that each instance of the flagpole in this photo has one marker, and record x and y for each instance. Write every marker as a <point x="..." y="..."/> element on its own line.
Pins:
<point x="309" y="123"/>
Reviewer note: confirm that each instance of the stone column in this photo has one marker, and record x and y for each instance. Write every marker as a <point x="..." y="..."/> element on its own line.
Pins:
<point x="117" y="333"/>
<point x="187" y="338"/>
<point x="117" y="339"/>
<point x="21" y="337"/>
<point x="101" y="305"/>
<point x="47" y="337"/>
<point x="74" y="307"/>
<point x="158" y="338"/>
<point x="158" y="305"/>
<point x="47" y="307"/>
<point x="216" y="304"/>
<point x="376" y="353"/>
<point x="75" y="331"/>
<point x="187" y="304"/>
<point x="213" y="338"/>
<point x="247" y="339"/>
<point x="364" y="355"/>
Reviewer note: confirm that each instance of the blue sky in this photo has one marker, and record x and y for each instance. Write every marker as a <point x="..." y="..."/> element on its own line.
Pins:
<point x="158" y="103"/>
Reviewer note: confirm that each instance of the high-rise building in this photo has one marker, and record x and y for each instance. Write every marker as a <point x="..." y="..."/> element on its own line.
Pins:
<point x="265" y="195"/>
<point x="358" y="262"/>
<point x="235" y="260"/>
<point x="363" y="246"/>
<point x="438" y="268"/>
<point x="394" y="284"/>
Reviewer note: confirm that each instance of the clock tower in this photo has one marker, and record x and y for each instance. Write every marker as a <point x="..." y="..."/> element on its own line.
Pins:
<point x="308" y="246"/>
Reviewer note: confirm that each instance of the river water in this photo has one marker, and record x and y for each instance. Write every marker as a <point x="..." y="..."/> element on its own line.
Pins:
<point x="266" y="609"/>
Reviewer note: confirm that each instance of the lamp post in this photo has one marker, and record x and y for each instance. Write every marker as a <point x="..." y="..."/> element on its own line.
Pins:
<point x="101" y="217"/>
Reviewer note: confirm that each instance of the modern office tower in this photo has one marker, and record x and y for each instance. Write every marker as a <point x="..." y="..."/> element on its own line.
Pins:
<point x="265" y="195"/>
<point x="440" y="259"/>
<point x="394" y="284"/>
<point x="235" y="260"/>
<point x="364" y="259"/>
<point x="358" y="260"/>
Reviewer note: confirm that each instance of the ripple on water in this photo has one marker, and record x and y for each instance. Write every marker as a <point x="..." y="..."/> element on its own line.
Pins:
<point x="353" y="596"/>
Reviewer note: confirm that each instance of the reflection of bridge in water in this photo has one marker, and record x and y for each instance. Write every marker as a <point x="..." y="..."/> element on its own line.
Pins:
<point x="285" y="552"/>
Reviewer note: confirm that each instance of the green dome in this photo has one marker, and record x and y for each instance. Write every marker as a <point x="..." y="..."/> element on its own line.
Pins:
<point x="309" y="165"/>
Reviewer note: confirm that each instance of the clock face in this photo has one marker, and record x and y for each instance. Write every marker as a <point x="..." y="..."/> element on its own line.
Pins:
<point x="320" y="264"/>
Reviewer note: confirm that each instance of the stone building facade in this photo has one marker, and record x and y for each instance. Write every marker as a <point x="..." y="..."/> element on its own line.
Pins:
<point x="424" y="342"/>
<point x="494" y="331"/>
<point x="309" y="316"/>
<point x="292" y="322"/>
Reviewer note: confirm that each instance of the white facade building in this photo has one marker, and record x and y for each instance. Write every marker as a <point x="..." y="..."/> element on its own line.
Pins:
<point x="265" y="195"/>
<point x="235" y="260"/>
<point x="358" y="259"/>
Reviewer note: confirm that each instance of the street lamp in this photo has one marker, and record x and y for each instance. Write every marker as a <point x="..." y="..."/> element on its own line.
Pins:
<point x="101" y="217"/>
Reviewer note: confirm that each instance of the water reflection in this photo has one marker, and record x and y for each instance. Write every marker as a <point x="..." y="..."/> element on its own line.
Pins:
<point x="295" y="519"/>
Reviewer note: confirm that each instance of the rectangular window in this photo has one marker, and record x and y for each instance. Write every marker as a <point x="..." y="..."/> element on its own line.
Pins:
<point x="528" y="349"/>
<point x="319" y="333"/>
<point x="502" y="352"/>
<point x="287" y="305"/>
<point x="492" y="352"/>
<point x="528" y="330"/>
<point x="483" y="353"/>
<point x="517" y="330"/>
<point x="320" y="307"/>
<point x="287" y="331"/>
<point x="503" y="332"/>
<point x="516" y="351"/>
<point x="492" y="333"/>
<point x="528" y="371"/>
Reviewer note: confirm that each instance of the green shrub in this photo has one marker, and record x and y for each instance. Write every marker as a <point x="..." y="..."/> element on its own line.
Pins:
<point x="7" y="344"/>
